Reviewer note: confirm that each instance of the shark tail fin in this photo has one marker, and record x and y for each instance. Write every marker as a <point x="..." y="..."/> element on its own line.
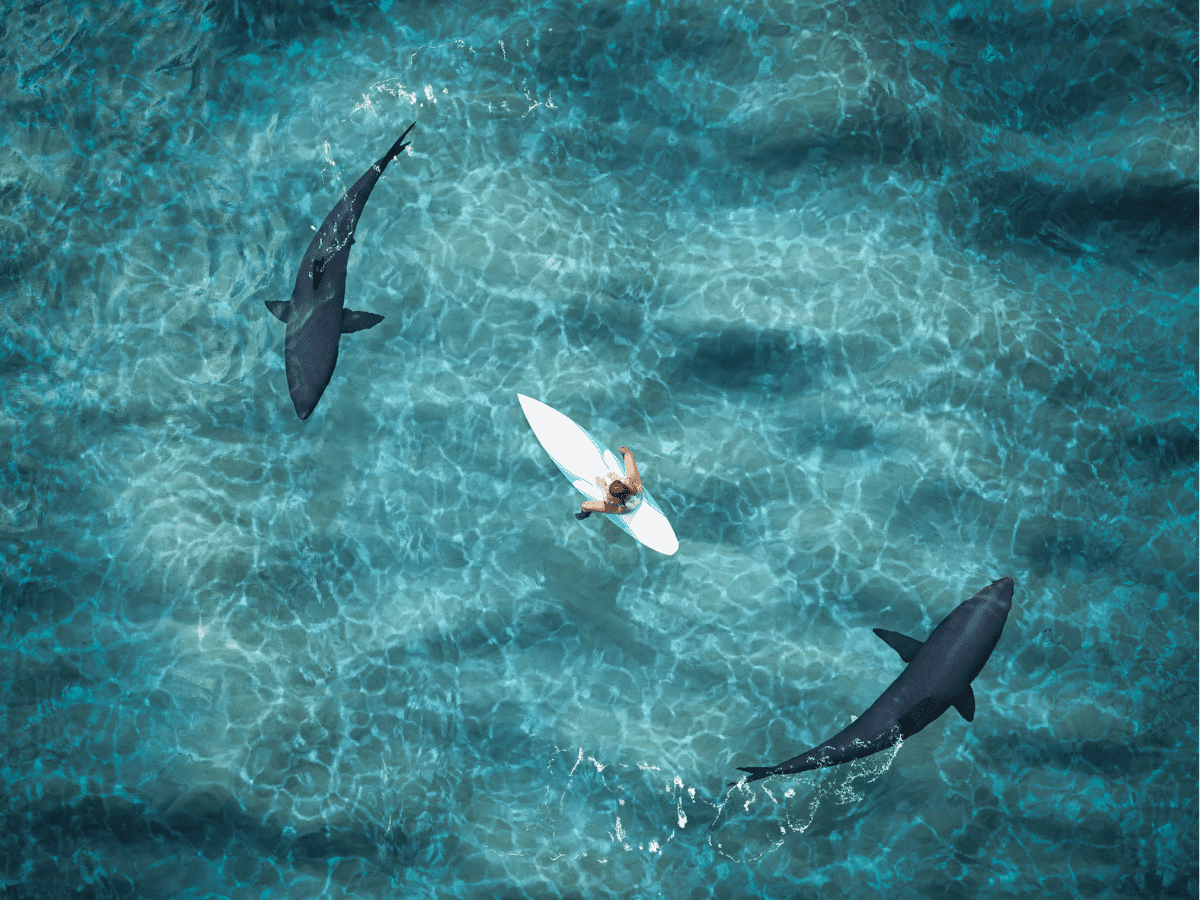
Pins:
<point x="353" y="320"/>
<point x="399" y="145"/>
<point x="756" y="772"/>
<point x="280" y="309"/>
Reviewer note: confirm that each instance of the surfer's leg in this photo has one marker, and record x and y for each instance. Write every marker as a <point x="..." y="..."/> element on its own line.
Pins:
<point x="588" y="507"/>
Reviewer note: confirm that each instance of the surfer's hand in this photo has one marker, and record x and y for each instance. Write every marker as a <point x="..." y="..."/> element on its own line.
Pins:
<point x="626" y="450"/>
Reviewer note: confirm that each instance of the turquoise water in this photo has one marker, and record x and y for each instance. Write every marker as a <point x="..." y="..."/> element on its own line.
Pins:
<point x="890" y="300"/>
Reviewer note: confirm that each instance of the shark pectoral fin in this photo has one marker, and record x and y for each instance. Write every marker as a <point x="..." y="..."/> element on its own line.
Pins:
<point x="317" y="272"/>
<point x="280" y="309"/>
<point x="353" y="320"/>
<point x="965" y="704"/>
<point x="907" y="647"/>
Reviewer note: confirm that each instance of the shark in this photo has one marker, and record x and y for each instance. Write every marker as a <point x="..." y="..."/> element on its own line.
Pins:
<point x="316" y="316"/>
<point x="938" y="676"/>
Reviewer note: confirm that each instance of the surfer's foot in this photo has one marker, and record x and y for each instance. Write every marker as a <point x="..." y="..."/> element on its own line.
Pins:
<point x="583" y="515"/>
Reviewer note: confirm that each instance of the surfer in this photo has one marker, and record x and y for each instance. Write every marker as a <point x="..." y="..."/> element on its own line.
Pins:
<point x="620" y="494"/>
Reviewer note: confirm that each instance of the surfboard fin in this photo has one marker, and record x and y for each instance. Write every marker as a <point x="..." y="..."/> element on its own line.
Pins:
<point x="280" y="309"/>
<point x="904" y="645"/>
<point x="353" y="320"/>
<point x="965" y="704"/>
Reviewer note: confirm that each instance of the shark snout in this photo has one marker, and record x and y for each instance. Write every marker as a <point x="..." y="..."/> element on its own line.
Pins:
<point x="1001" y="594"/>
<point x="305" y="400"/>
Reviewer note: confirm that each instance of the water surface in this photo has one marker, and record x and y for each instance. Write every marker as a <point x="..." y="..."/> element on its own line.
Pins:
<point x="889" y="300"/>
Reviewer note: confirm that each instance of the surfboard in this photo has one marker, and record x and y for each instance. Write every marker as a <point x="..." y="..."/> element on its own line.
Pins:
<point x="581" y="458"/>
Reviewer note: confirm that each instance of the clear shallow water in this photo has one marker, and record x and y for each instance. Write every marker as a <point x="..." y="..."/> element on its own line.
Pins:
<point x="889" y="301"/>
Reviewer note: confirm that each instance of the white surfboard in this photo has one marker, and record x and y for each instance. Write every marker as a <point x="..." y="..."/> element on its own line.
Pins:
<point x="582" y="458"/>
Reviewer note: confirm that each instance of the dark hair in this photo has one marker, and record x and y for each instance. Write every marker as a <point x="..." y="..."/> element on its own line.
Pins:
<point x="620" y="490"/>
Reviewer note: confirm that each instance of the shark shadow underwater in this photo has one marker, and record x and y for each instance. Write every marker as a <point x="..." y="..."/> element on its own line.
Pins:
<point x="316" y="318"/>
<point x="938" y="676"/>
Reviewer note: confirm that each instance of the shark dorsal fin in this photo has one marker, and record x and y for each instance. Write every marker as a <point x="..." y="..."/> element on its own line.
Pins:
<point x="965" y="704"/>
<point x="907" y="647"/>
<point x="353" y="320"/>
<point x="318" y="271"/>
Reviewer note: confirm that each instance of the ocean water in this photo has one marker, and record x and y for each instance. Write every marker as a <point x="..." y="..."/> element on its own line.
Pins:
<point x="890" y="300"/>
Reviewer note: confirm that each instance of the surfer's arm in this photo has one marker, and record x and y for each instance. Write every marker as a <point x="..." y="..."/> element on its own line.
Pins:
<point x="631" y="471"/>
